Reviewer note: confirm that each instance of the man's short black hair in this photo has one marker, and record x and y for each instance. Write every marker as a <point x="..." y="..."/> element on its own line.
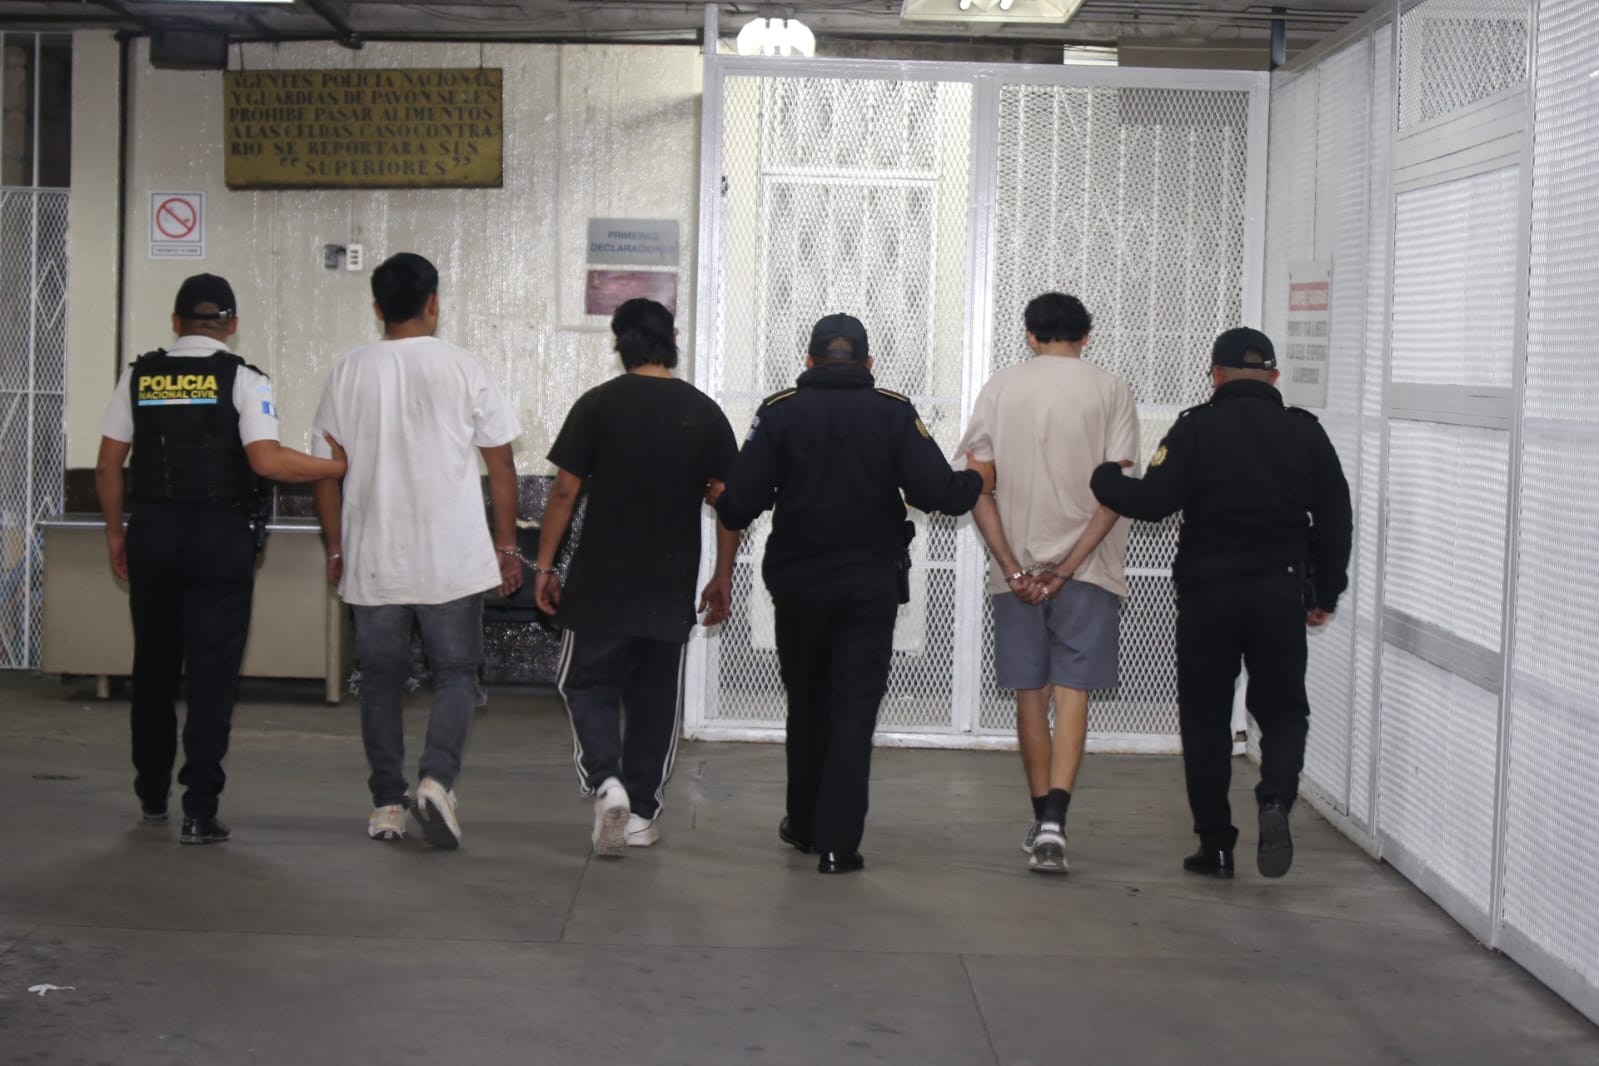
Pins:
<point x="644" y="334"/>
<point x="1055" y="316"/>
<point x="401" y="286"/>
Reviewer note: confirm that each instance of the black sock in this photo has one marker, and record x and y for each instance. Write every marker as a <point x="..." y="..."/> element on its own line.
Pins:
<point x="1054" y="806"/>
<point x="1038" y="808"/>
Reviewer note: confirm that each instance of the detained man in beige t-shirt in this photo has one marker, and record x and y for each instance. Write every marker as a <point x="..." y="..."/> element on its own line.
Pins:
<point x="1056" y="556"/>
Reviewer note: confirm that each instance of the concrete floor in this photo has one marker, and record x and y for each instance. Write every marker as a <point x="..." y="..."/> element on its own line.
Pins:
<point x="302" y="942"/>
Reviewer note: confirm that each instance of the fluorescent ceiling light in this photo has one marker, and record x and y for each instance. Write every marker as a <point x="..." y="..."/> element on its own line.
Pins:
<point x="1056" y="12"/>
<point x="776" y="37"/>
<point x="1087" y="55"/>
<point x="228" y="1"/>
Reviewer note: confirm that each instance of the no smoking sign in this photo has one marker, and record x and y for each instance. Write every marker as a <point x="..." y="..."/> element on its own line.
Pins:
<point x="177" y="225"/>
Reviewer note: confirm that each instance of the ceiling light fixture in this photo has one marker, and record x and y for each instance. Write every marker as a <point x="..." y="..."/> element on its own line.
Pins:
<point x="776" y="37"/>
<point x="1055" y="12"/>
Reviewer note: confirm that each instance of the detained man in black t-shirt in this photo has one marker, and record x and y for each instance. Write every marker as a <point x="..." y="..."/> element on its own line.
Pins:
<point x="649" y="447"/>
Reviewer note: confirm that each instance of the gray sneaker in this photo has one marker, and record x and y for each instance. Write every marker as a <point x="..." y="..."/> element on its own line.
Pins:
<point x="1031" y="838"/>
<point x="1049" y="850"/>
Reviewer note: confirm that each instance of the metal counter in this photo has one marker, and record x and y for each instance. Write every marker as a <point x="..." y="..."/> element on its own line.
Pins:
<point x="297" y="624"/>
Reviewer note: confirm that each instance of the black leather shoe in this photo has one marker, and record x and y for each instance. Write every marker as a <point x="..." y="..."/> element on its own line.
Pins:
<point x="203" y="831"/>
<point x="836" y="862"/>
<point x="785" y="833"/>
<point x="1275" y="852"/>
<point x="1210" y="863"/>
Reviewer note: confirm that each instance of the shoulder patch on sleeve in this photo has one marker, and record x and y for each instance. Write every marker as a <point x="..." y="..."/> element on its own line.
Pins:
<point x="1159" y="456"/>
<point x="1302" y="413"/>
<point x="777" y="397"/>
<point x="892" y="395"/>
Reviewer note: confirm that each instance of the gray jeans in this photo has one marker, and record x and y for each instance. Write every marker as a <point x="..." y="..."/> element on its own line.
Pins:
<point x="452" y="640"/>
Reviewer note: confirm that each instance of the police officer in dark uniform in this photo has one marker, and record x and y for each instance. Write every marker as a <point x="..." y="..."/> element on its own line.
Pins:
<point x="1262" y="553"/>
<point x="835" y="455"/>
<point x="203" y="430"/>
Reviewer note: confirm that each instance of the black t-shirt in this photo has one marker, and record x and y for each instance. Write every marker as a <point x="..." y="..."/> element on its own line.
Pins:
<point x="646" y="446"/>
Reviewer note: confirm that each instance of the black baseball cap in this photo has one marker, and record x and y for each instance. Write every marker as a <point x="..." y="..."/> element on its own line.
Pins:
<point x="836" y="327"/>
<point x="205" y="298"/>
<point x="1244" y="349"/>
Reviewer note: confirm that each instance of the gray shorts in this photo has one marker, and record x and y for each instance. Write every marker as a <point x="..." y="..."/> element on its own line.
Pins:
<point x="1072" y="641"/>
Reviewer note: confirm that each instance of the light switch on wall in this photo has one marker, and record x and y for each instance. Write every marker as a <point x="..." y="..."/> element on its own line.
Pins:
<point x="353" y="259"/>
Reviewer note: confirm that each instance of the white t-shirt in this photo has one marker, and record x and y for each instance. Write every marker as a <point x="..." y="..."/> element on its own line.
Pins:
<point x="252" y="397"/>
<point x="411" y="415"/>
<point x="1046" y="424"/>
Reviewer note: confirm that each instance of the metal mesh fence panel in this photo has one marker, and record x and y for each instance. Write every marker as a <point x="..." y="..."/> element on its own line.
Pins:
<point x="1369" y="478"/>
<point x="1132" y="200"/>
<point x="1551" y="847"/>
<point x="33" y="265"/>
<point x="1340" y="131"/>
<point x="1455" y="281"/>
<point x="1454" y="53"/>
<point x="1446" y="527"/>
<point x="852" y="193"/>
<point x="845" y="195"/>
<point x="1437" y="771"/>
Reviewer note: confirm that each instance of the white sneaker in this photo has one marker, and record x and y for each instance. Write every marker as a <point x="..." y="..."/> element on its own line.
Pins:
<point x="610" y="819"/>
<point x="387" y="823"/>
<point x="435" y="812"/>
<point x="1049" y="850"/>
<point x="641" y="831"/>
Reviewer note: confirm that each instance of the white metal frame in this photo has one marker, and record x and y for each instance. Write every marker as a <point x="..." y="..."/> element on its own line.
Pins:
<point x="31" y="503"/>
<point x="985" y="79"/>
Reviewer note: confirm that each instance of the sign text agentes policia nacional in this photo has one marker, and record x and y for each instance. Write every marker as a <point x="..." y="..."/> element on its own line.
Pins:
<point x="375" y="129"/>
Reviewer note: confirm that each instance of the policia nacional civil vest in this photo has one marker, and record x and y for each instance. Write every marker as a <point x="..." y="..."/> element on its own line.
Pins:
<point x="186" y="446"/>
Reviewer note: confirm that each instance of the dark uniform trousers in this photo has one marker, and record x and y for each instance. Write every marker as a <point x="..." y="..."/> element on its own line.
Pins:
<point x="191" y="575"/>
<point x="835" y="644"/>
<point x="1260" y="618"/>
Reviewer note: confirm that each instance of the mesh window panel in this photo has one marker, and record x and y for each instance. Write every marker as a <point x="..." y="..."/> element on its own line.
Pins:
<point x="1455" y="281"/>
<point x="1552" y="848"/>
<point x="1437" y="771"/>
<point x="1132" y="200"/>
<point x="33" y="264"/>
<point x="1446" y="527"/>
<point x="1368" y="503"/>
<point x="1343" y="111"/>
<point x="1453" y="53"/>
<point x="845" y="195"/>
<point x="1290" y="193"/>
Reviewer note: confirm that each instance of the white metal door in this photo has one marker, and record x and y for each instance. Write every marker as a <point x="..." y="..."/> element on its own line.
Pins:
<point x="932" y="201"/>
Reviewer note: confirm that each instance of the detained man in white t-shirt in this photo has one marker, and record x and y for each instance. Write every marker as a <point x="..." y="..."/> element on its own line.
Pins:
<point x="1056" y="556"/>
<point x="410" y="546"/>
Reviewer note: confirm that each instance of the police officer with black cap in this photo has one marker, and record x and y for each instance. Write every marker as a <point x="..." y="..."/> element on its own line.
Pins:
<point x="1262" y="552"/>
<point x="203" y="431"/>
<point x="840" y="459"/>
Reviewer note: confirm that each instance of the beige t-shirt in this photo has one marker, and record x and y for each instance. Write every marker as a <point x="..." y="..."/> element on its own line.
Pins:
<point x="1046" y="424"/>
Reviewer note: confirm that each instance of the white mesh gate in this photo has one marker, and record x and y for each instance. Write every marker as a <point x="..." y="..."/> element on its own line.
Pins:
<point x="933" y="201"/>
<point x="33" y="298"/>
<point x="1439" y="159"/>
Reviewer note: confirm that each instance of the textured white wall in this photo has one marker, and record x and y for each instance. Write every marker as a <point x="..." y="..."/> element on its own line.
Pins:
<point x="91" y="242"/>
<point x="590" y="131"/>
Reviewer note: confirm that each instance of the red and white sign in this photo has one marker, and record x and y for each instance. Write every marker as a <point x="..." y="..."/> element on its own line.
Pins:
<point x="606" y="290"/>
<point x="1304" y="356"/>
<point x="177" y="225"/>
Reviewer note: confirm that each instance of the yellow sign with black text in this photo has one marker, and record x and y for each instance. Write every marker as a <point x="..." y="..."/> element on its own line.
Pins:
<point x="160" y="390"/>
<point x="363" y="129"/>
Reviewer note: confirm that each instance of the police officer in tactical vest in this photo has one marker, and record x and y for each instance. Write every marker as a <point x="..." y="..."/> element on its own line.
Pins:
<point x="1262" y="553"/>
<point x="204" y="432"/>
<point x="839" y="459"/>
